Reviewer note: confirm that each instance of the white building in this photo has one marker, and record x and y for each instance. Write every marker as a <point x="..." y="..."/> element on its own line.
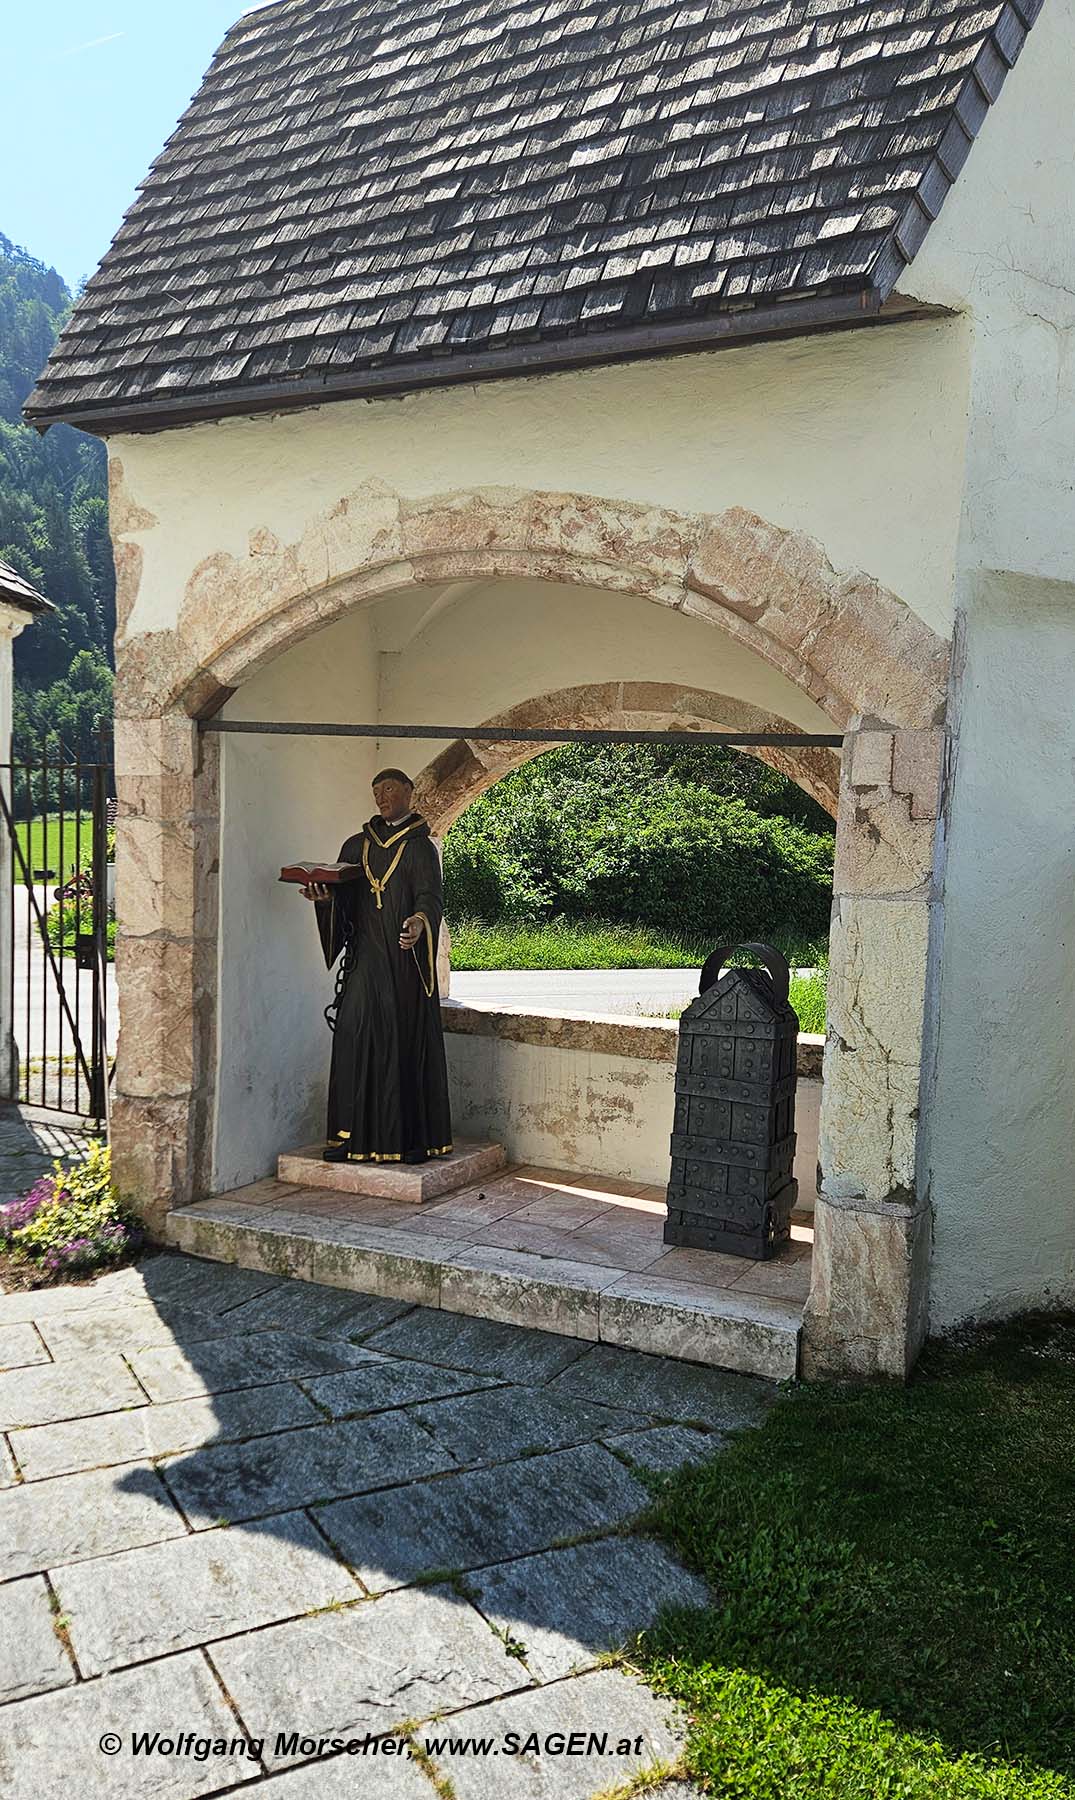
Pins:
<point x="695" y="364"/>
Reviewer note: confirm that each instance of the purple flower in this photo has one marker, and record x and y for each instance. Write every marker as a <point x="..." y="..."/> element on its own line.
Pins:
<point x="16" y="1213"/>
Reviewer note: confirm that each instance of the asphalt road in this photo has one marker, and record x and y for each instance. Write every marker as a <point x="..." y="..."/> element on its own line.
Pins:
<point x="651" y="992"/>
<point x="39" y="1025"/>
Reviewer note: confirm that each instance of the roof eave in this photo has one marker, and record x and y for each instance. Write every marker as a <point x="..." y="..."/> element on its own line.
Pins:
<point x="718" y="330"/>
<point x="24" y="599"/>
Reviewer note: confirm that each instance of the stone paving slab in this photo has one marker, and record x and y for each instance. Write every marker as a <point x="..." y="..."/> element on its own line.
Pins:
<point x="46" y="1524"/>
<point x="321" y="1311"/>
<point x="369" y="1668"/>
<point x="150" y="1431"/>
<point x="378" y="1386"/>
<point x="368" y="1777"/>
<point x="667" y="1388"/>
<point x="19" y="1346"/>
<point x="604" y="1702"/>
<point x="509" y="1352"/>
<point x="484" y="1516"/>
<point x="568" y="1607"/>
<point x="301" y="1468"/>
<point x="148" y="1603"/>
<point x="490" y="1427"/>
<point x="50" y="1744"/>
<point x="386" y="1495"/>
<point x="175" y="1372"/>
<point x="68" y="1390"/>
<point x="113" y="1289"/>
<point x="666" y="1447"/>
<point x="32" y="1659"/>
<point x="131" y="1328"/>
<point x="205" y="1286"/>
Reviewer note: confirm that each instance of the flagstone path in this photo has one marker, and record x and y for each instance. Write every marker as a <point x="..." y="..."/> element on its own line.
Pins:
<point x="248" y="1514"/>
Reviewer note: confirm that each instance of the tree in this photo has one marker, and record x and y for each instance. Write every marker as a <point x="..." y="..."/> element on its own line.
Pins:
<point x="53" y="493"/>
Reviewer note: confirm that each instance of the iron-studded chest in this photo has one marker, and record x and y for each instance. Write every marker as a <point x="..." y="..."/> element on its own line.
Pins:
<point x="733" y="1140"/>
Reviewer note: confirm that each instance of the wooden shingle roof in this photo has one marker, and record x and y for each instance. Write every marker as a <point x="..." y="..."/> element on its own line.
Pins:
<point x="15" y="590"/>
<point x="365" y="196"/>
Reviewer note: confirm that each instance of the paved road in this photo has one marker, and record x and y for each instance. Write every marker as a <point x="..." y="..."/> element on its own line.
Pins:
<point x="649" y="991"/>
<point x="265" y="1507"/>
<point x="41" y="1030"/>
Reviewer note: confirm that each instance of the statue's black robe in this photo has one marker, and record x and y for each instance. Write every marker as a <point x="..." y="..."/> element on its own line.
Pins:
<point x="388" y="1089"/>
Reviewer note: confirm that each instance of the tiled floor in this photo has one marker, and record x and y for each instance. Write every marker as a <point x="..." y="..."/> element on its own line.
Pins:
<point x="580" y="1218"/>
<point x="536" y="1246"/>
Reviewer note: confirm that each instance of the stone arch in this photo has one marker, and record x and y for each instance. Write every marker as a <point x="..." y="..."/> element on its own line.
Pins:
<point x="844" y="639"/>
<point x="468" y="767"/>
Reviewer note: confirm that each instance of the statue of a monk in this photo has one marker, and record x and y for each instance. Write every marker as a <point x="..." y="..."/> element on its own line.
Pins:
<point x="388" y="1089"/>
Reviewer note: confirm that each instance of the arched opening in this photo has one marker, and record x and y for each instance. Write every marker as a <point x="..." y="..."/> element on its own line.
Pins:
<point x="457" y="775"/>
<point x="468" y="606"/>
<point x="565" y="1043"/>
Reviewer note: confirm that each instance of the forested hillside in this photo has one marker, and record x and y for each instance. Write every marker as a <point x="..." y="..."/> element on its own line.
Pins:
<point x="53" y="520"/>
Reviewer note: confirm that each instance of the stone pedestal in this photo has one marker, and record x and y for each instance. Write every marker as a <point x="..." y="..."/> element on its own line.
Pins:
<point x="412" y="1182"/>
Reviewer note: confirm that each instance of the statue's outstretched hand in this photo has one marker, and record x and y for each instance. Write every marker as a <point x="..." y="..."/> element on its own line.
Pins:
<point x="316" y="890"/>
<point x="412" y="931"/>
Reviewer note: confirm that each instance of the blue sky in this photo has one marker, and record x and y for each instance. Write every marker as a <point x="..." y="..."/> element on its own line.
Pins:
<point x="92" y="88"/>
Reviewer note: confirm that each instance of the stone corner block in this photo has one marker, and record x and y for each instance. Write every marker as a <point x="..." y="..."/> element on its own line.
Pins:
<point x="917" y="770"/>
<point x="868" y="1309"/>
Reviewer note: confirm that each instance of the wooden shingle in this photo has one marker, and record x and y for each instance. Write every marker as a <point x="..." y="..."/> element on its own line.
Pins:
<point x="362" y="199"/>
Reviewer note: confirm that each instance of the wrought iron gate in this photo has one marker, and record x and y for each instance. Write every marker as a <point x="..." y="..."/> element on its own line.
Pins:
<point x="57" y="930"/>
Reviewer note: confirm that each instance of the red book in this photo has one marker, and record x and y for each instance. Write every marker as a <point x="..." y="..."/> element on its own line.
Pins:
<point x="305" y="874"/>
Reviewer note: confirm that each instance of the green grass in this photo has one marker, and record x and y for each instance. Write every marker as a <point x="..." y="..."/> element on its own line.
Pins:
<point x="808" y="995"/>
<point x="563" y="944"/>
<point x="896" y="1580"/>
<point x="41" y="845"/>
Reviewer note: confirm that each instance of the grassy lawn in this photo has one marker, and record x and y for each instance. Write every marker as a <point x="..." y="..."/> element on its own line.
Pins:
<point x="896" y="1572"/>
<point x="41" y="845"/>
<point x="562" y="944"/>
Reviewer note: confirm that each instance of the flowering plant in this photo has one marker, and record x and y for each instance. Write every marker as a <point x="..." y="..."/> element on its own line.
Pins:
<point x="71" y="1220"/>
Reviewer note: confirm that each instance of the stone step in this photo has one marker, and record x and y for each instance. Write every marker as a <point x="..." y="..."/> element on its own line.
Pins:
<point x="468" y="1163"/>
<point x="726" y="1329"/>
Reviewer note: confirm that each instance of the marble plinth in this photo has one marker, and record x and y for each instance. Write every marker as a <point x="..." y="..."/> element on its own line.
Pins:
<point x="468" y="1163"/>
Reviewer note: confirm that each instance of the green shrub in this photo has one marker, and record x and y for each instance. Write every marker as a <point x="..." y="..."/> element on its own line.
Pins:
<point x="625" y="835"/>
<point x="701" y="864"/>
<point x="72" y="1220"/>
<point x="63" y="922"/>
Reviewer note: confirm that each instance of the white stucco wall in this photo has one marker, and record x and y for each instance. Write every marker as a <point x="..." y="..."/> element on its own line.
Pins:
<point x="1003" y="252"/>
<point x="283" y="800"/>
<point x="845" y="437"/>
<point x="600" y="1112"/>
<point x="499" y="643"/>
<point x="1001" y="1110"/>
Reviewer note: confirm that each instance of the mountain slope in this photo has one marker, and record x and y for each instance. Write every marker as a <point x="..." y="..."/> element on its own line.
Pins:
<point x="53" y="515"/>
